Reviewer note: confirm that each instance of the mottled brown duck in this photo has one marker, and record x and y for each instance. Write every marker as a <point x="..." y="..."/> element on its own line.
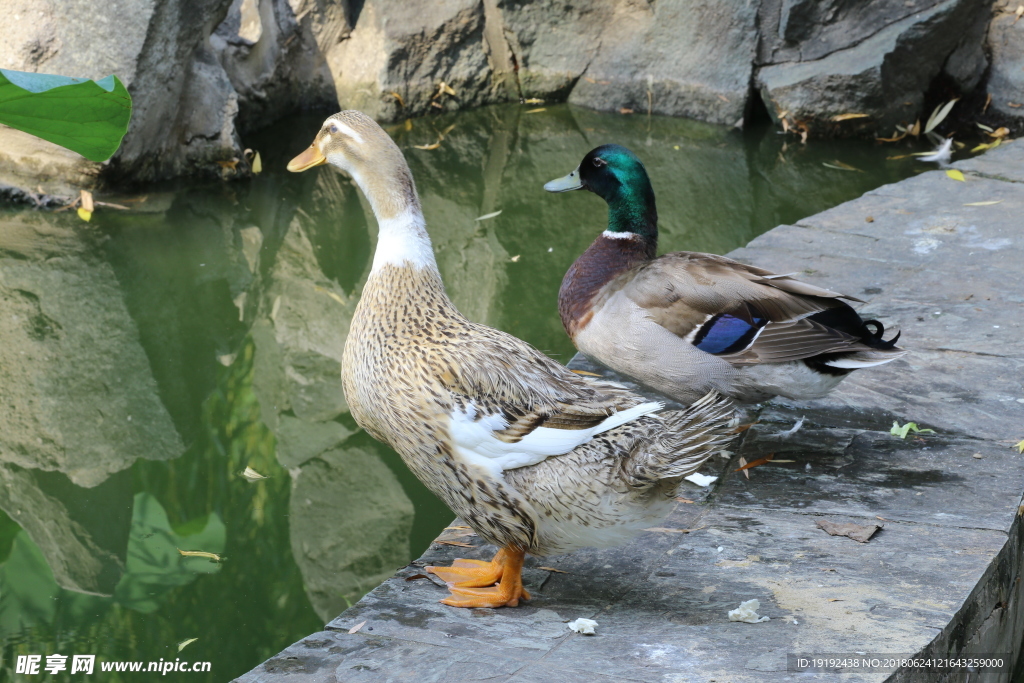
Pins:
<point x="535" y="458"/>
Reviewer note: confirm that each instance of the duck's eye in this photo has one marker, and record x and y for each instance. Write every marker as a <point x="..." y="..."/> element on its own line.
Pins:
<point x="333" y="129"/>
<point x="599" y="162"/>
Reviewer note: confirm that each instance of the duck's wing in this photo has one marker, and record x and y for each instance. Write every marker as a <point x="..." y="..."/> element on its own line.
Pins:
<point x="512" y="406"/>
<point x="741" y="313"/>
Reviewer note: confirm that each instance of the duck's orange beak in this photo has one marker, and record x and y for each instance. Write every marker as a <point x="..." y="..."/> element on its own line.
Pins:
<point x="308" y="159"/>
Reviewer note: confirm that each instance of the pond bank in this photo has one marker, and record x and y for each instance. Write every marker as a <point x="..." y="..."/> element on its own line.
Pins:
<point x="933" y="256"/>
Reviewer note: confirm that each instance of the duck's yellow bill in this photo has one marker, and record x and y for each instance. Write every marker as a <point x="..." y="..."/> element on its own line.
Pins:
<point x="308" y="159"/>
<point x="565" y="183"/>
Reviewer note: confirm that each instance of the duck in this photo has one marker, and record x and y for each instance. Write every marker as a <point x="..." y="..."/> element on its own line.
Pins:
<point x="686" y="323"/>
<point x="533" y="457"/>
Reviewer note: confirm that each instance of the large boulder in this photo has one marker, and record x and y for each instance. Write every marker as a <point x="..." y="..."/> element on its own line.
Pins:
<point x="823" y="58"/>
<point x="184" y="104"/>
<point x="1006" y="79"/>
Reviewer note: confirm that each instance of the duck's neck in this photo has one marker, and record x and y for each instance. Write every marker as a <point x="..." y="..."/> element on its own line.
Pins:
<point x="402" y="239"/>
<point x="632" y="212"/>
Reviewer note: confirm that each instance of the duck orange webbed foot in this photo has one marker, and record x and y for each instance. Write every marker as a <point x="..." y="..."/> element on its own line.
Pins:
<point x="472" y="573"/>
<point x="471" y="581"/>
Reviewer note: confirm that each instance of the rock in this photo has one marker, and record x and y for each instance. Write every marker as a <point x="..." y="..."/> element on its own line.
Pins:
<point x="274" y="53"/>
<point x="1006" y="79"/>
<point x="348" y="533"/>
<point x="676" y="58"/>
<point x="821" y="59"/>
<point x="184" y="105"/>
<point x="79" y="395"/>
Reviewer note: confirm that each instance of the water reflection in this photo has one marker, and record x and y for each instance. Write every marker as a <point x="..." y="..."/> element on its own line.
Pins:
<point x="149" y="357"/>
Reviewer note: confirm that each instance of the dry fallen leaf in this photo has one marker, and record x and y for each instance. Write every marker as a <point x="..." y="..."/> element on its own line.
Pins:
<point x="836" y="600"/>
<point x="356" y="628"/>
<point x="252" y="475"/>
<point x="743" y="467"/>
<point x="743" y="428"/>
<point x="847" y="117"/>
<point x="185" y="643"/>
<point x="493" y="214"/>
<point x="1020" y="446"/>
<point x="1015" y="105"/>
<point x="939" y="115"/>
<point x="995" y="201"/>
<point x="552" y="569"/>
<point x="684" y="500"/>
<point x="915" y="129"/>
<point x="456" y="543"/>
<point x="894" y="138"/>
<point x="199" y="553"/>
<point x="756" y="463"/>
<point x="533" y="100"/>
<point x="858" y="532"/>
<point x="1000" y="132"/>
<point x="625" y="110"/>
<point x="838" y="165"/>
<point x="433" y="146"/>
<point x="586" y="373"/>
<point x="515" y="259"/>
<point x="401" y="102"/>
<point x="955" y="175"/>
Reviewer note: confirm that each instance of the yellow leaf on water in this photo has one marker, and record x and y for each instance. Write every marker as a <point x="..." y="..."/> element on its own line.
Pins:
<point x="533" y="100"/>
<point x="493" y="214"/>
<point x="199" y="553"/>
<point x="257" y="163"/>
<point x="515" y="259"/>
<point x="535" y="111"/>
<point x="956" y="175"/>
<point x="185" y="643"/>
<point x="995" y="201"/>
<point x="84" y="215"/>
<point x="847" y="117"/>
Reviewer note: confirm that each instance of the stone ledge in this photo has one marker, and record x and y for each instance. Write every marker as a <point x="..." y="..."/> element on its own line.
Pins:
<point x="941" y="579"/>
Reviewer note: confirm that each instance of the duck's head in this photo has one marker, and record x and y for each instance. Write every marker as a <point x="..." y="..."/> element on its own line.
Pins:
<point x="608" y="171"/>
<point x="353" y="142"/>
<point x="618" y="176"/>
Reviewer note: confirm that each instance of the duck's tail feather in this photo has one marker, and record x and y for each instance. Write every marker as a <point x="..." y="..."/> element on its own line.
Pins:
<point x="689" y="438"/>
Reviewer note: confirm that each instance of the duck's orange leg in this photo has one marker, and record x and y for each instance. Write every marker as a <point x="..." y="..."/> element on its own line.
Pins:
<point x="508" y="592"/>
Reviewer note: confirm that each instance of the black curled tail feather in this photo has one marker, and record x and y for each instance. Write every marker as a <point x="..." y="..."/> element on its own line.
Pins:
<point x="688" y="439"/>
<point x="872" y="336"/>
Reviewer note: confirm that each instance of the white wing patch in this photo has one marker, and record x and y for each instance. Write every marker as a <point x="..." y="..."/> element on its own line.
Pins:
<point x="474" y="438"/>
<point x="852" y="362"/>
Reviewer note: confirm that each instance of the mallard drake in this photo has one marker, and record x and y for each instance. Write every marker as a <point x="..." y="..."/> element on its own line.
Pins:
<point x="688" y="323"/>
<point x="534" y="457"/>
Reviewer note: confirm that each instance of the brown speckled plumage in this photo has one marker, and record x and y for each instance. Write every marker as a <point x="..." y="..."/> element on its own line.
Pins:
<point x="412" y="360"/>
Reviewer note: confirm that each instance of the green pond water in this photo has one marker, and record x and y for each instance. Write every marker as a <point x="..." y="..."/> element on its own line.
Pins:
<point x="149" y="357"/>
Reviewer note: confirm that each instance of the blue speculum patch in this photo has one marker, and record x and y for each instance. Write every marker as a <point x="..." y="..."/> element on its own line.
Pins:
<point x="726" y="333"/>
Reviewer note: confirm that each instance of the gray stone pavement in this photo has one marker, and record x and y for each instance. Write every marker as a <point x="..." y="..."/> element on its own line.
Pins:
<point x="942" y="578"/>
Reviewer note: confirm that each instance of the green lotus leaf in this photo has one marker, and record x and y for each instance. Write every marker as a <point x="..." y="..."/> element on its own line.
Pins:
<point x="88" y="117"/>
